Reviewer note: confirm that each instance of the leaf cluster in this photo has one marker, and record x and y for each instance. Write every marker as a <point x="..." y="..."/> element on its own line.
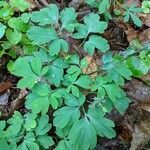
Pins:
<point x="59" y="86"/>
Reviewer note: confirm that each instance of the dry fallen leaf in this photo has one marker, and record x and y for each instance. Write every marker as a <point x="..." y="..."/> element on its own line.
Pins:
<point x="18" y="102"/>
<point x="131" y="33"/>
<point x="141" y="135"/>
<point x="92" y="67"/>
<point x="130" y="2"/>
<point x="144" y="36"/>
<point x="145" y="19"/>
<point x="4" y="98"/>
<point x="145" y="105"/>
<point x="4" y="86"/>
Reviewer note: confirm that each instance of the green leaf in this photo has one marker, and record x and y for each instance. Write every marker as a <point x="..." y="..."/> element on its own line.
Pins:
<point x="102" y="126"/>
<point x="113" y="91"/>
<point x="84" y="63"/>
<point x="42" y="89"/>
<point x="64" y="45"/>
<point x="22" y="5"/>
<point x="96" y="42"/>
<point x="4" y="145"/>
<point x="25" y="17"/>
<point x="29" y="142"/>
<point x="13" y="36"/>
<point x="42" y="126"/>
<point x="121" y="104"/>
<point x="123" y="70"/>
<point x="82" y="135"/>
<point x="2" y="30"/>
<point x="93" y="24"/>
<point x="82" y="31"/>
<point x="18" y="24"/>
<point x="22" y="68"/>
<point x="30" y="121"/>
<point x="56" y="75"/>
<point x="107" y="57"/>
<point x="6" y="11"/>
<point x="72" y="101"/>
<point x="64" y="145"/>
<point x="126" y="16"/>
<point x="146" y="6"/>
<point x="54" y="102"/>
<point x="16" y="123"/>
<point x="45" y="141"/>
<point x="48" y="15"/>
<point x="84" y="82"/>
<point x="137" y="67"/>
<point x="41" y="35"/>
<point x="136" y="20"/>
<point x="2" y="125"/>
<point x="37" y="103"/>
<point x="104" y="5"/>
<point x="73" y="69"/>
<point x="75" y="91"/>
<point x="92" y="3"/>
<point x="32" y="145"/>
<point x="68" y="19"/>
<point x="27" y="82"/>
<point x="66" y="116"/>
<point x="54" y="47"/>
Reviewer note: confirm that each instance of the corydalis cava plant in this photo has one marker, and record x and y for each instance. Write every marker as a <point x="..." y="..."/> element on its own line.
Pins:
<point x="76" y="102"/>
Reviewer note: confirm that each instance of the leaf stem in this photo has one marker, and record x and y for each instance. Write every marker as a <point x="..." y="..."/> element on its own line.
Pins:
<point x="84" y="111"/>
<point x="82" y="42"/>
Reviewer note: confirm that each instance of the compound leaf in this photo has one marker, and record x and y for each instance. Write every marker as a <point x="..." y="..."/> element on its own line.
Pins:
<point x="103" y="126"/>
<point x="82" y="135"/>
<point x="2" y="30"/>
<point x="98" y="42"/>
<point x="14" y="36"/>
<point x="22" y="5"/>
<point x="41" y="35"/>
<point x="48" y="15"/>
<point x="66" y="115"/>
<point x="68" y="17"/>
<point x="93" y="24"/>
<point x="84" y="82"/>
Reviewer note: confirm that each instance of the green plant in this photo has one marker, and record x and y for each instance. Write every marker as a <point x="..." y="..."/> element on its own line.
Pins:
<point x="13" y="29"/>
<point x="76" y="102"/>
<point x="146" y="6"/>
<point x="103" y="7"/>
<point x="30" y="131"/>
<point x="128" y="12"/>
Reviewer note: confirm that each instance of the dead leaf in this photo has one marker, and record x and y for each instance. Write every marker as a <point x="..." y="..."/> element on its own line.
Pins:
<point x="4" y="98"/>
<point x="141" y="135"/>
<point x="145" y="19"/>
<point x="131" y="33"/>
<point x="144" y="37"/>
<point x="145" y="105"/>
<point x="18" y="102"/>
<point x="5" y="85"/>
<point x="125" y="132"/>
<point x="130" y="2"/>
<point x="137" y="90"/>
<point x="92" y="67"/>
